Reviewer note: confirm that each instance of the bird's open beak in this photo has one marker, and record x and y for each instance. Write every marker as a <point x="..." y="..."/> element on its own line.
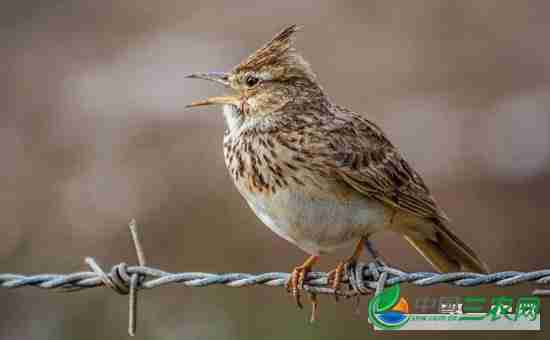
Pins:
<point x="218" y="77"/>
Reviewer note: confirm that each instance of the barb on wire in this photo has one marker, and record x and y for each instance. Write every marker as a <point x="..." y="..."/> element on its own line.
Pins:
<point x="134" y="280"/>
<point x="362" y="279"/>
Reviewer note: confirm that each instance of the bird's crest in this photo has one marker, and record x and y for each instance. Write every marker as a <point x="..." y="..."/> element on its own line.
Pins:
<point x="277" y="52"/>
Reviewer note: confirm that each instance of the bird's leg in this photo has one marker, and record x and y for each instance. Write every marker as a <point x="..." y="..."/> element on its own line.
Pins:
<point x="336" y="275"/>
<point x="374" y="253"/>
<point x="296" y="280"/>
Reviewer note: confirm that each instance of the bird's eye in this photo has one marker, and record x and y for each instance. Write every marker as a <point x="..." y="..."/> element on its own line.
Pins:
<point x="250" y="80"/>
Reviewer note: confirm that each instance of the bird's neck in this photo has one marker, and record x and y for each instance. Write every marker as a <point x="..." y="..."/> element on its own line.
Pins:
<point x="233" y="118"/>
<point x="299" y="110"/>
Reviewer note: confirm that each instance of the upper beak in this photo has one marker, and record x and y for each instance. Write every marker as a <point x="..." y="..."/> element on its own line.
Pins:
<point x="218" y="77"/>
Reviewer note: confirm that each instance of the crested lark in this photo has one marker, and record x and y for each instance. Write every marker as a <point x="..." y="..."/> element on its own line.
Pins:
<point x="319" y="175"/>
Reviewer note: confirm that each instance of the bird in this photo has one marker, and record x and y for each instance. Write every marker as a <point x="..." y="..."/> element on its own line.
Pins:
<point x="319" y="175"/>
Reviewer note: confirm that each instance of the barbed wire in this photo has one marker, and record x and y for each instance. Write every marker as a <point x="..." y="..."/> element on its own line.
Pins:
<point x="317" y="282"/>
<point x="361" y="278"/>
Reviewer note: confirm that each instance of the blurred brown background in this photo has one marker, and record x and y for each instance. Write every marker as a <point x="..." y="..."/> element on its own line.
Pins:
<point x="93" y="132"/>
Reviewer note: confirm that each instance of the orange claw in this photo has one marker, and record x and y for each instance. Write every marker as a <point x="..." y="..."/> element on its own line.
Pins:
<point x="336" y="275"/>
<point x="296" y="282"/>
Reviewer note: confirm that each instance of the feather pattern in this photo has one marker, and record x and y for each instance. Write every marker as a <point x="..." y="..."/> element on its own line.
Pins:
<point x="272" y="53"/>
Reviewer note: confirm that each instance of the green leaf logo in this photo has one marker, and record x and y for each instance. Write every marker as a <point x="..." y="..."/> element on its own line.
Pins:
<point x="381" y="312"/>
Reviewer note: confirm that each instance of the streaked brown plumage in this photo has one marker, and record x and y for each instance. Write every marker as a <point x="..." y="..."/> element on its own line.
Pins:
<point x="320" y="175"/>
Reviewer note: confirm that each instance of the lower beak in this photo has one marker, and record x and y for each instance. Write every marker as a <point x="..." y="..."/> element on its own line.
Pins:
<point x="216" y="100"/>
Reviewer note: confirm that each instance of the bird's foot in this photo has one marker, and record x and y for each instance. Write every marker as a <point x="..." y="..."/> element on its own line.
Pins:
<point x="337" y="275"/>
<point x="295" y="283"/>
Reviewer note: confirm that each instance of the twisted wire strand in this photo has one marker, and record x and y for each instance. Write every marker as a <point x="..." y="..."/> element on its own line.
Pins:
<point x="362" y="276"/>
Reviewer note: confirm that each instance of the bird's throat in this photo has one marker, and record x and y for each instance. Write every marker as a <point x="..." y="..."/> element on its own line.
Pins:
<point x="233" y="117"/>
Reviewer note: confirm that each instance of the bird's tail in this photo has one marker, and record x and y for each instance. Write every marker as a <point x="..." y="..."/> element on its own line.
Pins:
<point x="443" y="249"/>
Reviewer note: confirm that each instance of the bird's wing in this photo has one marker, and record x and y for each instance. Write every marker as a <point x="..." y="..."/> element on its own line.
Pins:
<point x="358" y="151"/>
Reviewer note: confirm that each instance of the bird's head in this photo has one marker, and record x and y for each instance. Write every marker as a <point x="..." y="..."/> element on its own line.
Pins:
<point x="265" y="82"/>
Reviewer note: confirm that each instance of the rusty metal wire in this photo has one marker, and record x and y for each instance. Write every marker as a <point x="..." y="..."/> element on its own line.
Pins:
<point x="361" y="278"/>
